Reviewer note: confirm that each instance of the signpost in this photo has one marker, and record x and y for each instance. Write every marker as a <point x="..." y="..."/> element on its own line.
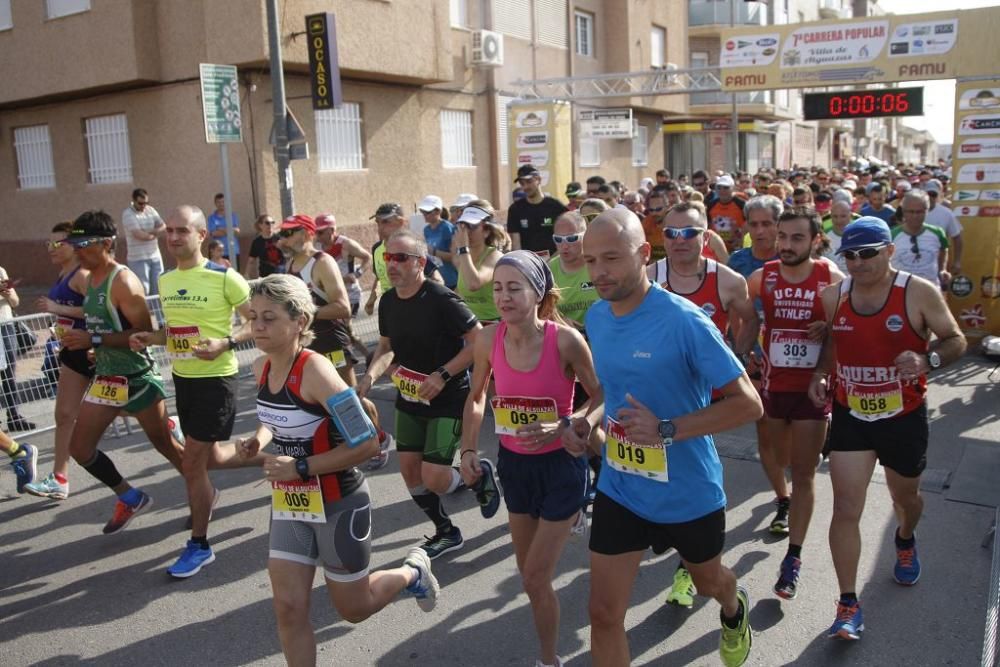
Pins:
<point x="606" y="123"/>
<point x="220" y="103"/>
<point x="324" y="66"/>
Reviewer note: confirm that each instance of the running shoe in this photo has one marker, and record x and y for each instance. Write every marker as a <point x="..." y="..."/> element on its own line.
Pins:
<point x="443" y="543"/>
<point x="124" y="513"/>
<point x="682" y="592"/>
<point x="779" y="524"/>
<point x="907" y="569"/>
<point x="488" y="490"/>
<point x="193" y="558"/>
<point x="216" y="497"/>
<point x="174" y="422"/>
<point x="850" y="622"/>
<point x="425" y="588"/>
<point x="48" y="488"/>
<point x="25" y="465"/>
<point x="382" y="458"/>
<point x="788" y="578"/>
<point x="580" y="525"/>
<point x="735" y="643"/>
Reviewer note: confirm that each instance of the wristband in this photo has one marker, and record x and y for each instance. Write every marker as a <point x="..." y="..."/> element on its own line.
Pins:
<point x="443" y="372"/>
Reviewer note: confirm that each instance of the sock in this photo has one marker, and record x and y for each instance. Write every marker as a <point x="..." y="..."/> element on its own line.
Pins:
<point x="456" y="481"/>
<point x="201" y="541"/>
<point x="62" y="479"/>
<point x="905" y="544"/>
<point x="430" y="503"/>
<point x="785" y="500"/>
<point x="734" y="622"/>
<point x="104" y="470"/>
<point x="15" y="450"/>
<point x="795" y="551"/>
<point x="381" y="435"/>
<point x="848" y="598"/>
<point x="131" y="497"/>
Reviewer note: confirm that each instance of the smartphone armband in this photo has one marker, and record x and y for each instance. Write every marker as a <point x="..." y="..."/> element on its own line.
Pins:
<point x="350" y="417"/>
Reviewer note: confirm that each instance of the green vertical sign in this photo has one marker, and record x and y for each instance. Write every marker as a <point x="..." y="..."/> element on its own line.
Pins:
<point x="220" y="103"/>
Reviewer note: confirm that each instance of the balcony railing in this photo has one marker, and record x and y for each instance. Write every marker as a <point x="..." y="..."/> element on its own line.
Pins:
<point x="754" y="97"/>
<point x="716" y="12"/>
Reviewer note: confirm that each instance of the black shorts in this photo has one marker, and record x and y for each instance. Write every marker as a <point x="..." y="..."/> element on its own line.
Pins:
<point x="550" y="486"/>
<point x="206" y="407"/>
<point x="614" y="530"/>
<point x="333" y="341"/>
<point x="900" y="443"/>
<point x="77" y="361"/>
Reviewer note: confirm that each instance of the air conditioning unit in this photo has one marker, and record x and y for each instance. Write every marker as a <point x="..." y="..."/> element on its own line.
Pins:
<point x="487" y="48"/>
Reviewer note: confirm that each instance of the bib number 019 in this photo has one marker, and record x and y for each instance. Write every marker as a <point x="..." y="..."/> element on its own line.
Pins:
<point x="630" y="453"/>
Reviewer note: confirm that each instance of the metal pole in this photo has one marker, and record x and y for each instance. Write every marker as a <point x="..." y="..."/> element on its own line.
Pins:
<point x="734" y="121"/>
<point x="231" y="248"/>
<point x="280" y="112"/>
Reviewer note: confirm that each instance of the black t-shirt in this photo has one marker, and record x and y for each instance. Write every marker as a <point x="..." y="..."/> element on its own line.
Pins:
<point x="534" y="223"/>
<point x="426" y="333"/>
<point x="269" y="257"/>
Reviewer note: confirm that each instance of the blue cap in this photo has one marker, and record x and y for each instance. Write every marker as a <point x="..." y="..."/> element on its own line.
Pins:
<point x="866" y="232"/>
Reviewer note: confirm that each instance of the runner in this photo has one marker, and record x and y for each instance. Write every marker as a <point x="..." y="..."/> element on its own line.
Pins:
<point x="23" y="459"/>
<point x="793" y="332"/>
<point x="880" y="322"/>
<point x="352" y="260"/>
<point x="426" y="332"/>
<point x="114" y="309"/>
<point x="389" y="218"/>
<point x="65" y="301"/>
<point x="569" y="272"/>
<point x="199" y="299"/>
<point x="650" y="492"/>
<point x="476" y="245"/>
<point x="320" y="502"/>
<point x="530" y="220"/>
<point x="534" y="362"/>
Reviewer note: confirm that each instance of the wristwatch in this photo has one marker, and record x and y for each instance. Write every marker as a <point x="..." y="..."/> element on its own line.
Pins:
<point x="302" y="467"/>
<point x="463" y="250"/>
<point x="566" y="421"/>
<point x="96" y="340"/>
<point x="443" y="372"/>
<point x="933" y="359"/>
<point x="667" y="430"/>
<point x="232" y="342"/>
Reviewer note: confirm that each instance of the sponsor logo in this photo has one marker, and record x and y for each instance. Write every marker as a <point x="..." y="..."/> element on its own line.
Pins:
<point x="944" y="29"/>
<point x="894" y="323"/>
<point x="639" y="354"/>
<point x="767" y="41"/>
<point x="708" y="309"/>
<point x="768" y="51"/>
<point x="966" y="195"/>
<point x="990" y="287"/>
<point x="973" y="317"/>
<point x="902" y="31"/>
<point x="730" y="45"/>
<point x="961" y="286"/>
<point x="271" y="416"/>
<point x="532" y="139"/>
<point x="967" y="211"/>
<point x="921" y="30"/>
<point x="899" y="48"/>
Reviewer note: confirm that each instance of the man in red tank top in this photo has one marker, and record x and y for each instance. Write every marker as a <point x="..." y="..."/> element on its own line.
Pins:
<point x="880" y="321"/>
<point x="792" y="336"/>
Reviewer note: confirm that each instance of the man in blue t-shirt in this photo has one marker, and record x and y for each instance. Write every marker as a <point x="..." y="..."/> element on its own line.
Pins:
<point x="658" y="356"/>
<point x="876" y="205"/>
<point x="217" y="230"/>
<point x="438" y="233"/>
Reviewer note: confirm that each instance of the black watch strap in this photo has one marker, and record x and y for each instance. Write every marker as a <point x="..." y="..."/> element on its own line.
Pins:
<point x="443" y="372"/>
<point x="302" y="467"/>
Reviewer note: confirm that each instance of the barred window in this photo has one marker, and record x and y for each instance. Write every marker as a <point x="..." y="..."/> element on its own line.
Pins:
<point x="584" y="34"/>
<point x="456" y="138"/>
<point x="34" y="158"/>
<point x="338" y="136"/>
<point x="108" y="155"/>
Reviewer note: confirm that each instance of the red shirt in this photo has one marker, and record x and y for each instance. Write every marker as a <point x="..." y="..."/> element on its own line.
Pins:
<point x="789" y="308"/>
<point x="867" y="346"/>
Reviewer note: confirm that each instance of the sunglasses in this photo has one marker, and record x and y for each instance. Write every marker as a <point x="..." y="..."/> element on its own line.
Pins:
<point x="697" y="184"/>
<point x="864" y="253"/>
<point x="686" y="233"/>
<point x="589" y="217"/>
<point x="398" y="257"/>
<point x="655" y="209"/>
<point x="914" y="248"/>
<point x="286" y="233"/>
<point x="572" y="238"/>
<point x="79" y="244"/>
<point x="55" y="245"/>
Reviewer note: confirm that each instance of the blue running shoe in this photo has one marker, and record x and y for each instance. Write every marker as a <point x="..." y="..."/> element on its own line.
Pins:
<point x="788" y="578"/>
<point x="907" y="570"/>
<point x="193" y="558"/>
<point x="25" y="466"/>
<point x="850" y="622"/>
<point x="425" y="588"/>
<point x="488" y="490"/>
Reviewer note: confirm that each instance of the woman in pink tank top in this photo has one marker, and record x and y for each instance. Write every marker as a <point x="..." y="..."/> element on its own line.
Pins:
<point x="534" y="362"/>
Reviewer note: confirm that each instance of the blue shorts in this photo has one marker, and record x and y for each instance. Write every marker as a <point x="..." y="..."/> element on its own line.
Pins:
<point x="550" y="486"/>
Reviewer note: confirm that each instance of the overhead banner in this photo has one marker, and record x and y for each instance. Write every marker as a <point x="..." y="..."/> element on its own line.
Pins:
<point x="541" y="135"/>
<point x="873" y="49"/>
<point x="975" y="290"/>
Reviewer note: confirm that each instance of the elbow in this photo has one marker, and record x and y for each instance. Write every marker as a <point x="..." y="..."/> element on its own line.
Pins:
<point x="753" y="409"/>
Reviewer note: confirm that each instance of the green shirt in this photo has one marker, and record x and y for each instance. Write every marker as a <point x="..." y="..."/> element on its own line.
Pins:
<point x="198" y="303"/>
<point x="576" y="292"/>
<point x="101" y="319"/>
<point x="479" y="301"/>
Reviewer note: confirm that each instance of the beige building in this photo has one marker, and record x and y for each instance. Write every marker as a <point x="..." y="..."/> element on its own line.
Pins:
<point x="117" y="104"/>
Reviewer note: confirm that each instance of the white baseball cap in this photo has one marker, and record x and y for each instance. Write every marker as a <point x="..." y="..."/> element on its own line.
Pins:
<point x="430" y="203"/>
<point x="464" y="199"/>
<point x="725" y="181"/>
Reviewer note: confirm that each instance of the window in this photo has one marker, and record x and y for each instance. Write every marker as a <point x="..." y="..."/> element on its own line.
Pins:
<point x="34" y="158"/>
<point x="6" y="20"/>
<point x="590" y="152"/>
<point x="512" y="17"/>
<point x="502" y="135"/>
<point x="584" y="34"/>
<point x="657" y="46"/>
<point x="551" y="20"/>
<point x="640" y="146"/>
<point x="456" y="138"/>
<point x="56" y="8"/>
<point x="338" y="138"/>
<point x="699" y="59"/>
<point x="460" y="13"/>
<point x="108" y="155"/>
<point x="781" y="97"/>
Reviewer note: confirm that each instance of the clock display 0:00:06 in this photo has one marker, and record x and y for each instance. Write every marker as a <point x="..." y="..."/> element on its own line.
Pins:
<point x="869" y="104"/>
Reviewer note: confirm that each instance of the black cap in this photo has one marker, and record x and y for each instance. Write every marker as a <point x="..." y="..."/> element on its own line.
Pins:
<point x="388" y="210"/>
<point x="526" y="170"/>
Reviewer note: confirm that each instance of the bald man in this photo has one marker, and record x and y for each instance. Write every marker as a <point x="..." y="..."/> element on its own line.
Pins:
<point x="657" y="356"/>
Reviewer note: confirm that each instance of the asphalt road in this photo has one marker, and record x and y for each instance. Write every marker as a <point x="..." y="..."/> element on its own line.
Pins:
<point x="70" y="595"/>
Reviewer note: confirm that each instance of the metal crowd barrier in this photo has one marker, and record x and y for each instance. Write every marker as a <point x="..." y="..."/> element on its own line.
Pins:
<point x="36" y="369"/>
<point x="991" y="640"/>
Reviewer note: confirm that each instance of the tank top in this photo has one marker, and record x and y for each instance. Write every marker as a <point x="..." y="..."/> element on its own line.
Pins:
<point x="65" y="295"/>
<point x="706" y="248"/>
<point x="102" y="319"/>
<point x="328" y="332"/>
<point x="546" y="380"/>
<point x="303" y="429"/>
<point x="705" y="297"/>
<point x="380" y="268"/>
<point x="789" y="308"/>
<point x="867" y="381"/>
<point x="479" y="301"/>
<point x="346" y="265"/>
<point x="576" y="291"/>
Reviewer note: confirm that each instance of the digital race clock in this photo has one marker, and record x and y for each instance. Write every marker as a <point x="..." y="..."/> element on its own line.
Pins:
<point x="864" y="103"/>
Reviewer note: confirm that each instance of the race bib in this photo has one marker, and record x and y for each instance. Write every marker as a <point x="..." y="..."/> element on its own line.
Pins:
<point x="646" y="461"/>
<point x="791" y="348"/>
<point x="338" y="358"/>
<point x="62" y="325"/>
<point x="872" y="402"/>
<point x="181" y="342"/>
<point x="298" y="501"/>
<point x="109" y="390"/>
<point x="408" y="383"/>
<point x="512" y="412"/>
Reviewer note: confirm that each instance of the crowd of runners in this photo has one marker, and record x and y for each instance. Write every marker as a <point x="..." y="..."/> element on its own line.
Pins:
<point x="611" y="333"/>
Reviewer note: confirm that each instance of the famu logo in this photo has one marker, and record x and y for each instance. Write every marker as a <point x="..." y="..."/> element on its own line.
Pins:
<point x="894" y="323"/>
